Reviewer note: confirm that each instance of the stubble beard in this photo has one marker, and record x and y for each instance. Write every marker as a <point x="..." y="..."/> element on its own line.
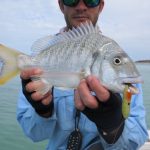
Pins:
<point x="70" y="25"/>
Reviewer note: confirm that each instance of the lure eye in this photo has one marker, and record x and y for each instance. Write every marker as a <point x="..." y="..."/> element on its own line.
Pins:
<point x="117" y="61"/>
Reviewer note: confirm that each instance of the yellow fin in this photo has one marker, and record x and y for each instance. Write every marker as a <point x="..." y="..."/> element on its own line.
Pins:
<point x="8" y="63"/>
<point x="7" y="77"/>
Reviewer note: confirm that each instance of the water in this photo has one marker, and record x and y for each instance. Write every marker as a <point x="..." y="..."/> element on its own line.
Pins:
<point x="11" y="135"/>
<point x="145" y="72"/>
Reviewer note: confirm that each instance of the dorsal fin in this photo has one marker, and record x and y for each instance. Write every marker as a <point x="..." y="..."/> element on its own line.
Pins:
<point x="46" y="42"/>
<point x="82" y="30"/>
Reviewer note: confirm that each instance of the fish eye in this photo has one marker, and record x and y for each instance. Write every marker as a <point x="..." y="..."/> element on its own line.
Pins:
<point x="117" y="61"/>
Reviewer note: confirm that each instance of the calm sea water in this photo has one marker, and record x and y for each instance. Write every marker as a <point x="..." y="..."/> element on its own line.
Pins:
<point x="11" y="135"/>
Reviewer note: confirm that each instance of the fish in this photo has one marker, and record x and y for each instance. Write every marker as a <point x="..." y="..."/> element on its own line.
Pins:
<point x="69" y="57"/>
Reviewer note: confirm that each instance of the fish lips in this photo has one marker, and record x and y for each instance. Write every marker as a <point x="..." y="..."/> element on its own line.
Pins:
<point x="130" y="81"/>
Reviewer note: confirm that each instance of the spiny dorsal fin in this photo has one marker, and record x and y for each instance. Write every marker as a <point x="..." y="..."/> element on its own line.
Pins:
<point x="46" y="42"/>
<point x="82" y="30"/>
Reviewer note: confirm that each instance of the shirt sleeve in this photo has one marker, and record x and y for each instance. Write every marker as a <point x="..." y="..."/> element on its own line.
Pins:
<point x="135" y="132"/>
<point x="34" y="126"/>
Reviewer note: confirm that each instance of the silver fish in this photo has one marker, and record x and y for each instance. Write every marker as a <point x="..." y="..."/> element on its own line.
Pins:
<point x="69" y="57"/>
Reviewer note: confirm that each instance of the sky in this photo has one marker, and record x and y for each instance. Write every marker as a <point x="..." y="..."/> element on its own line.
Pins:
<point x="126" y="21"/>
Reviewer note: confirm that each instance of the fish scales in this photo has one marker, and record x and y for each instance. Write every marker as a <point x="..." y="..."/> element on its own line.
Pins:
<point x="73" y="53"/>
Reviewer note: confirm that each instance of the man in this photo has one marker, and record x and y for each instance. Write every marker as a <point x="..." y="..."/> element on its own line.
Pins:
<point x="56" y="114"/>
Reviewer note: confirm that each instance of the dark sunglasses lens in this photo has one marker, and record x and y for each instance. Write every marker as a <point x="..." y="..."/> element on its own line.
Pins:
<point x="92" y="3"/>
<point x="70" y="3"/>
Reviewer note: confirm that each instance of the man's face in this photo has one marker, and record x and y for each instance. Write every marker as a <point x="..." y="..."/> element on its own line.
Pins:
<point x="80" y="13"/>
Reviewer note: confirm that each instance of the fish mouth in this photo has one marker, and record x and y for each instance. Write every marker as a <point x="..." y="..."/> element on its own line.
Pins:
<point x="130" y="81"/>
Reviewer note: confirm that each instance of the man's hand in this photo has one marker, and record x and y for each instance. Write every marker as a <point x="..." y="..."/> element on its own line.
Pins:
<point x="41" y="103"/>
<point x="102" y="107"/>
<point x="83" y="97"/>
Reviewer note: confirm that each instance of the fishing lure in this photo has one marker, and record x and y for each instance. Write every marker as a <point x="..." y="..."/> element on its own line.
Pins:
<point x="127" y="94"/>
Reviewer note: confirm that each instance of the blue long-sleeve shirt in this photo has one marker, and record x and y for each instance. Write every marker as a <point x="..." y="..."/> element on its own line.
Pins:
<point x="58" y="127"/>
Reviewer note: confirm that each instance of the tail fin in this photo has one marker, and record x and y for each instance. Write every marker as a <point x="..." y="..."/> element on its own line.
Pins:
<point x="8" y="63"/>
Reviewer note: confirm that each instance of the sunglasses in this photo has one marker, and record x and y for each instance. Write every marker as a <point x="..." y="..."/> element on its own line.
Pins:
<point x="88" y="3"/>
